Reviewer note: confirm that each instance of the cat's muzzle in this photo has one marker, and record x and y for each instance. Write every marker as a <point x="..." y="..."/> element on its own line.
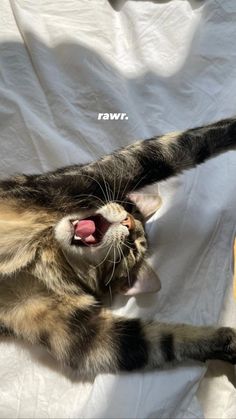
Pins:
<point x="90" y="231"/>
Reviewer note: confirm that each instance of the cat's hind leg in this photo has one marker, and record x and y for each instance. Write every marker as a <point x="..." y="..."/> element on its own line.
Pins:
<point x="84" y="336"/>
<point x="80" y="333"/>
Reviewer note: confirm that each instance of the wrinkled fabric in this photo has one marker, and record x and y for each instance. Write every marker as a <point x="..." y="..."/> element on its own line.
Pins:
<point x="168" y="65"/>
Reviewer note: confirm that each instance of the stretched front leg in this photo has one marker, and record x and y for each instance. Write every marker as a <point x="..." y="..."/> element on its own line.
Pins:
<point x="152" y="160"/>
<point x="131" y="168"/>
<point x="78" y="332"/>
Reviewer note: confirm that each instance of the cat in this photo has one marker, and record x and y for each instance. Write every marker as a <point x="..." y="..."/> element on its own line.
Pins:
<point x="68" y="235"/>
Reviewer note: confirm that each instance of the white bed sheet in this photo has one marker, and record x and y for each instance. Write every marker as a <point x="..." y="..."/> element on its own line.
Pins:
<point x="169" y="66"/>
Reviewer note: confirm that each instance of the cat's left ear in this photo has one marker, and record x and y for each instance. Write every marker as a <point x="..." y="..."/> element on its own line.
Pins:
<point x="147" y="200"/>
<point x="147" y="281"/>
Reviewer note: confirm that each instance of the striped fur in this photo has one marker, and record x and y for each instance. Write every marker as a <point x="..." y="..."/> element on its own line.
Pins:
<point x="50" y="288"/>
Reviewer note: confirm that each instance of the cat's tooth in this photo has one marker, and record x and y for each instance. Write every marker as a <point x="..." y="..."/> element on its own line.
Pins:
<point x="77" y="237"/>
<point x="74" y="222"/>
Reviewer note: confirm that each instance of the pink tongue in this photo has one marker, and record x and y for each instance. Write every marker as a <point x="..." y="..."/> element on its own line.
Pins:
<point x="85" y="228"/>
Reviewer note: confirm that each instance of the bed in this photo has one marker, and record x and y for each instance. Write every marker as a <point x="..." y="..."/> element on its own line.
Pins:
<point x="169" y="65"/>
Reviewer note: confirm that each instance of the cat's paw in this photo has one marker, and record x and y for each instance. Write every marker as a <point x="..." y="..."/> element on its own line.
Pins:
<point x="225" y="345"/>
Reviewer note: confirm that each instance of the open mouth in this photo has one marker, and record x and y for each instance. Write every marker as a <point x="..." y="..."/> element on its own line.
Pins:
<point x="89" y="231"/>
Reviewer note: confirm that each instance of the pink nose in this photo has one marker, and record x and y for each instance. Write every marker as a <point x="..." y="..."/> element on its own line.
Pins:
<point x="129" y="222"/>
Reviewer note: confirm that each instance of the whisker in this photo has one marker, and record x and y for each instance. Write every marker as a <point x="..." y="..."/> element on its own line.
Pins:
<point x="99" y="184"/>
<point x="105" y="182"/>
<point x="121" y="176"/>
<point x="129" y="282"/>
<point x="110" y="294"/>
<point x="116" y="261"/>
<point x="123" y="201"/>
<point x="99" y="264"/>
<point x="91" y="195"/>
<point x="97" y="162"/>
<point x="126" y="245"/>
<point x="135" y="186"/>
<point x="114" y="187"/>
<point x="113" y="271"/>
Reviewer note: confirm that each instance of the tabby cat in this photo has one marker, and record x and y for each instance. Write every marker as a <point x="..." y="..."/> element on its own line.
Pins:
<point x="63" y="244"/>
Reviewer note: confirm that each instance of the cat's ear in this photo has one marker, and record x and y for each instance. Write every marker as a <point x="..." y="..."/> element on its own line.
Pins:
<point x="146" y="282"/>
<point x="147" y="200"/>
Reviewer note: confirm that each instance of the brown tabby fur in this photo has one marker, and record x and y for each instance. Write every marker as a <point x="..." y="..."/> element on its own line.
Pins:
<point x="51" y="287"/>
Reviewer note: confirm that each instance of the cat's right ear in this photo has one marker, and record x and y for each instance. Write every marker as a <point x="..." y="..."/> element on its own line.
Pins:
<point x="147" y="200"/>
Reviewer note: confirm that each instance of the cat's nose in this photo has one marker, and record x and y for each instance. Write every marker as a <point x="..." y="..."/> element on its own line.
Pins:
<point x="129" y="222"/>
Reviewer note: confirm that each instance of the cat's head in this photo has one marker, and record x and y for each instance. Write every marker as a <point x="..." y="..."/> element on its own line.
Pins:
<point x="101" y="247"/>
<point x="111" y="242"/>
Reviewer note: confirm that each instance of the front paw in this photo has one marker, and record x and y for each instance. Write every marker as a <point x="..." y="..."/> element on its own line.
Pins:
<point x="225" y="345"/>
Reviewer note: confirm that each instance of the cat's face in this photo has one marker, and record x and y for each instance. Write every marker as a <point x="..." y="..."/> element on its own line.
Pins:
<point x="111" y="239"/>
<point x="90" y="247"/>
